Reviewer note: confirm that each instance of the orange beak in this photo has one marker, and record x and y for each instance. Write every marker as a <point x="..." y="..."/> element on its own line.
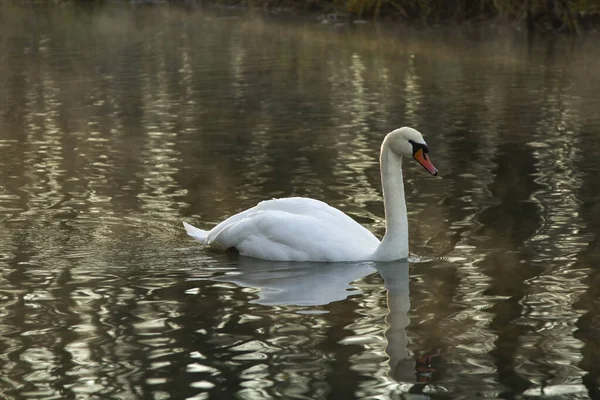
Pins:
<point x="423" y="159"/>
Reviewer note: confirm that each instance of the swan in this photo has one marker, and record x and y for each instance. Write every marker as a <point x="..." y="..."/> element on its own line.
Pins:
<point x="305" y="229"/>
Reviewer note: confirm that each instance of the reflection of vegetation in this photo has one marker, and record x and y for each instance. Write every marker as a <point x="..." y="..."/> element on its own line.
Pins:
<point x="563" y="15"/>
<point x="557" y="15"/>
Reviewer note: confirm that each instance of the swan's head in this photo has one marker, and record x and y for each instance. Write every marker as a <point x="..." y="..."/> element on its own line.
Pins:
<point x="408" y="142"/>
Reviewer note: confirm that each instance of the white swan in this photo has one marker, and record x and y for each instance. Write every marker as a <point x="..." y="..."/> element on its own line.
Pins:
<point x="304" y="229"/>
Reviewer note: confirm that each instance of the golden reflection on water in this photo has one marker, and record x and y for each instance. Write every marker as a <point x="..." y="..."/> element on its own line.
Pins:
<point x="550" y="307"/>
<point x="160" y="121"/>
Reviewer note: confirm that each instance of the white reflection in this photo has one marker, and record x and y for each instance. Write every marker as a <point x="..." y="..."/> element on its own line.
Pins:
<point x="299" y="284"/>
<point x="395" y="276"/>
<point x="316" y="284"/>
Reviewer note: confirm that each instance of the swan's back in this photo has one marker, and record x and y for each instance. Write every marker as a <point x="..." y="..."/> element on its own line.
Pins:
<point x="294" y="229"/>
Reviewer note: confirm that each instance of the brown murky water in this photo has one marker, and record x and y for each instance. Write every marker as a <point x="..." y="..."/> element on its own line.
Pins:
<point x="117" y="124"/>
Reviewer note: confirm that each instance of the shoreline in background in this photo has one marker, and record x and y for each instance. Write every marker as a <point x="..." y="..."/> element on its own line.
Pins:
<point x="570" y="17"/>
<point x="553" y="16"/>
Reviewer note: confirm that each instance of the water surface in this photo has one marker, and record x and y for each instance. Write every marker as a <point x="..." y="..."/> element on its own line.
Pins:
<point x="117" y="124"/>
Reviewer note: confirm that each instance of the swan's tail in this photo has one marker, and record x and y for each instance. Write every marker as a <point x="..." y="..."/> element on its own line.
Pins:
<point x="198" y="234"/>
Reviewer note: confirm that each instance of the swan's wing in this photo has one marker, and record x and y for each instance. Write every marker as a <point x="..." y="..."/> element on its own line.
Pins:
<point x="316" y="209"/>
<point x="299" y="205"/>
<point x="295" y="230"/>
<point x="296" y="206"/>
<point x="283" y="236"/>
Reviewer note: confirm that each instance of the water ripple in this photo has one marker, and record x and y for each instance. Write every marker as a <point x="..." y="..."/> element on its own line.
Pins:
<point x="117" y="124"/>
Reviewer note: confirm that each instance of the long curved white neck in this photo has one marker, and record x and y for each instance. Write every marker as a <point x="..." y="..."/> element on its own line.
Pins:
<point x="394" y="245"/>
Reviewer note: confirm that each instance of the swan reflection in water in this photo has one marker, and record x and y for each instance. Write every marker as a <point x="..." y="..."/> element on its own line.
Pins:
<point x="316" y="284"/>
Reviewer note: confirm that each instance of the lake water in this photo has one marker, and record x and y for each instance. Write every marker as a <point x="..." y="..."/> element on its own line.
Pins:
<point x="116" y="124"/>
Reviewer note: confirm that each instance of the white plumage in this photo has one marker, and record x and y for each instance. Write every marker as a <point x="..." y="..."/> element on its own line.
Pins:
<point x="304" y="229"/>
<point x="291" y="229"/>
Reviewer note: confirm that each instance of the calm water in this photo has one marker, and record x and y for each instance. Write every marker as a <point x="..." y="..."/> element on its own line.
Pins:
<point x="117" y="124"/>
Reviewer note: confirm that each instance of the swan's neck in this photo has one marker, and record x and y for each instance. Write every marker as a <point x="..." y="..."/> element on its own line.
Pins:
<point x="394" y="245"/>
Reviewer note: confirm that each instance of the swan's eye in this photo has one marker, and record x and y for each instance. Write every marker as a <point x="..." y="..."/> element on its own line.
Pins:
<point x="418" y="146"/>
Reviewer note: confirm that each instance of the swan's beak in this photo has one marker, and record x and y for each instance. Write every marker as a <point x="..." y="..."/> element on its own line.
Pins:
<point x="424" y="160"/>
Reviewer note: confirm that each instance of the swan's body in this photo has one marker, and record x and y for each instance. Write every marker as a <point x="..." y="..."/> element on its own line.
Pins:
<point x="304" y="229"/>
<point x="292" y="229"/>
